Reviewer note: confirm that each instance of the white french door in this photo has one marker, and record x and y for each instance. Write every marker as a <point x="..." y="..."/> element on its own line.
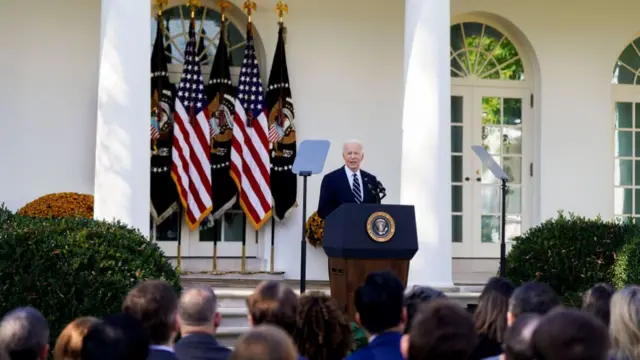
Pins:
<point x="500" y="120"/>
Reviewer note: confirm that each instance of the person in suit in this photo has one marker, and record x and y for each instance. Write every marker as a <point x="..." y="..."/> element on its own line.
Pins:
<point x="381" y="312"/>
<point x="118" y="336"/>
<point x="198" y="318"/>
<point x="155" y="303"/>
<point x="347" y="184"/>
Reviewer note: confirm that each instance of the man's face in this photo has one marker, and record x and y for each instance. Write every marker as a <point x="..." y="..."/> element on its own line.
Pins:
<point x="352" y="155"/>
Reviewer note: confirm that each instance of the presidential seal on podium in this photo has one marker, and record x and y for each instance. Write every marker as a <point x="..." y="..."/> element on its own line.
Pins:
<point x="381" y="227"/>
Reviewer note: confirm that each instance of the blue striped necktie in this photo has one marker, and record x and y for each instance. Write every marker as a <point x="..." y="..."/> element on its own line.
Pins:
<point x="357" y="194"/>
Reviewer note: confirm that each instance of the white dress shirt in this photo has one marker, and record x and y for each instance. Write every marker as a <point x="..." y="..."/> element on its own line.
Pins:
<point x="350" y="178"/>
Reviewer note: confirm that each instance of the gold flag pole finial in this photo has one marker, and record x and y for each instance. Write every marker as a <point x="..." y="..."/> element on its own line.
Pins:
<point x="281" y="9"/>
<point x="161" y="4"/>
<point x="224" y="5"/>
<point x="193" y="4"/>
<point x="249" y="6"/>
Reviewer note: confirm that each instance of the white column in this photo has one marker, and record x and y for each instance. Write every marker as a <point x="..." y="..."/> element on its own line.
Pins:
<point x="122" y="183"/>
<point x="426" y="139"/>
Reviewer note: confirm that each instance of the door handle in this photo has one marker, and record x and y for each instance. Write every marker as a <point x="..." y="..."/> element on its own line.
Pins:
<point x="467" y="179"/>
<point x="478" y="179"/>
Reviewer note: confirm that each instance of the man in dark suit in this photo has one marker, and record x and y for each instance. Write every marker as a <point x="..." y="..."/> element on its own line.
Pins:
<point x="199" y="319"/>
<point x="154" y="303"/>
<point x="347" y="184"/>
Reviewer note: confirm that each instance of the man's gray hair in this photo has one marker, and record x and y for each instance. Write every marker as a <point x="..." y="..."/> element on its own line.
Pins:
<point x="24" y="333"/>
<point x="353" y="141"/>
<point x="197" y="306"/>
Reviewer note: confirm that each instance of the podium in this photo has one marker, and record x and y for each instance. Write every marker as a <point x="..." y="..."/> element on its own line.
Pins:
<point x="363" y="238"/>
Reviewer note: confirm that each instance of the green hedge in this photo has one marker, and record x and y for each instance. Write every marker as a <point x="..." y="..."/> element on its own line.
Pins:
<point x="73" y="267"/>
<point x="570" y="253"/>
<point x="626" y="269"/>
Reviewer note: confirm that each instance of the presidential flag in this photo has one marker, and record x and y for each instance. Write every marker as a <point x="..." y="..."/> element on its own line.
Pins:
<point x="191" y="166"/>
<point x="282" y="133"/>
<point x="250" y="145"/>
<point x="164" y="197"/>
<point x="221" y="96"/>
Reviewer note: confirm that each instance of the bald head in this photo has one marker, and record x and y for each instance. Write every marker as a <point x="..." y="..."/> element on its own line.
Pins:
<point x="197" y="307"/>
<point x="353" y="153"/>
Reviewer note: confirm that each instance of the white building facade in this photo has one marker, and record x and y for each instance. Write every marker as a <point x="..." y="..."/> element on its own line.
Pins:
<point x="549" y="89"/>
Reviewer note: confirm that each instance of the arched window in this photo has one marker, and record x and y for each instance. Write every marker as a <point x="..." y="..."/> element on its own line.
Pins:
<point x="176" y="24"/>
<point x="626" y="117"/>
<point x="479" y="50"/>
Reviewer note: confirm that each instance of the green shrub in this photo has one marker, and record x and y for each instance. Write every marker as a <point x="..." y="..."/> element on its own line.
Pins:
<point x="570" y="253"/>
<point x="73" y="267"/>
<point x="626" y="269"/>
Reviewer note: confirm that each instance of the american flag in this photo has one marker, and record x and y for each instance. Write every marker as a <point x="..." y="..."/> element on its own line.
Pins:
<point x="250" y="162"/>
<point x="191" y="169"/>
<point x="154" y="133"/>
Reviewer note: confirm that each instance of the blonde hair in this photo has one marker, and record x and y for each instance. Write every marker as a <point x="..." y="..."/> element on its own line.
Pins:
<point x="69" y="343"/>
<point x="624" y="329"/>
<point x="264" y="342"/>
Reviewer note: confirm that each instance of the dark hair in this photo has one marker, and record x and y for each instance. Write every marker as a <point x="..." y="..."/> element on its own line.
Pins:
<point x="154" y="303"/>
<point x="24" y="334"/>
<point x="491" y="314"/>
<point x="570" y="334"/>
<point x="119" y="336"/>
<point x="533" y="297"/>
<point x="274" y="303"/>
<point x="517" y="338"/>
<point x="264" y="342"/>
<point x="597" y="301"/>
<point x="380" y="301"/>
<point x="442" y="330"/>
<point x="416" y="297"/>
<point x="324" y="332"/>
<point x="197" y="306"/>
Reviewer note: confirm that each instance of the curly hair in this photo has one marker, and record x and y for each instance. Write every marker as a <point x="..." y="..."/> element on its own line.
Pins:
<point x="323" y="332"/>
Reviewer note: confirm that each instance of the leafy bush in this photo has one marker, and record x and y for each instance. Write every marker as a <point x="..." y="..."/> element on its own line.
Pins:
<point x="570" y="253"/>
<point x="72" y="267"/>
<point x="626" y="269"/>
<point x="57" y="205"/>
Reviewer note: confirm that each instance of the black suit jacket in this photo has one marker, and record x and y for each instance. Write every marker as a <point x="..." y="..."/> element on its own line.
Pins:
<point x="335" y="191"/>
<point x="200" y="346"/>
<point x="156" y="354"/>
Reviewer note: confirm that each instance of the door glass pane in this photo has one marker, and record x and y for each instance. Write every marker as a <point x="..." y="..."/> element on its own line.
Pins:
<point x="456" y="168"/>
<point x="512" y="141"/>
<point x="456" y="139"/>
<point x="456" y="198"/>
<point x="491" y="111"/>
<point x="623" y="175"/>
<point x="491" y="139"/>
<point x="169" y="229"/>
<point x="513" y="168"/>
<point x="514" y="200"/>
<point x="624" y="115"/>
<point x="624" y="143"/>
<point x="512" y="111"/>
<point x="623" y="200"/>
<point x="456" y="222"/>
<point x="513" y="227"/>
<point x="490" y="199"/>
<point x="490" y="228"/>
<point x="456" y="109"/>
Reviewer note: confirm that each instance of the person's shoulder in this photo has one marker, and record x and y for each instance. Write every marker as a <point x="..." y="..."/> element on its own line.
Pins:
<point x="368" y="174"/>
<point x="334" y="173"/>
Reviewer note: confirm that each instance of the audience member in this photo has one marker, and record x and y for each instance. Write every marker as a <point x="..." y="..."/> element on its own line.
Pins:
<point x="69" y="343"/>
<point x="417" y="296"/>
<point x="597" y="301"/>
<point x="532" y="297"/>
<point x="570" y="334"/>
<point x="441" y="330"/>
<point x="624" y="328"/>
<point x="517" y="339"/>
<point x="324" y="332"/>
<point x="199" y="319"/>
<point x="274" y="303"/>
<point x="24" y="335"/>
<point x="491" y="317"/>
<point x="380" y="310"/>
<point x="154" y="303"/>
<point x="119" y="336"/>
<point x="264" y="342"/>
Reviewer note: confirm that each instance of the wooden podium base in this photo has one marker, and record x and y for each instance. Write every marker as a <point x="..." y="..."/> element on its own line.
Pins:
<point x="346" y="275"/>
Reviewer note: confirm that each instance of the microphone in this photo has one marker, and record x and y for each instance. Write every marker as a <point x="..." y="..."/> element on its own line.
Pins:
<point x="373" y="191"/>
<point x="381" y="190"/>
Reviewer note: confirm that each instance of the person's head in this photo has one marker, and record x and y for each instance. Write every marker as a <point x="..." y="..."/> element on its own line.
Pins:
<point x="24" y="334"/>
<point x="264" y="342"/>
<point x="324" y="332"/>
<point x="416" y="297"/>
<point x="570" y="334"/>
<point x="154" y="303"/>
<point x="198" y="311"/>
<point x="120" y="336"/>
<point x="441" y="330"/>
<point x="597" y="301"/>
<point x="274" y="303"/>
<point x="517" y="338"/>
<point x="69" y="343"/>
<point x="491" y="314"/>
<point x="624" y="325"/>
<point x="532" y="297"/>
<point x="353" y="153"/>
<point x="380" y="303"/>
